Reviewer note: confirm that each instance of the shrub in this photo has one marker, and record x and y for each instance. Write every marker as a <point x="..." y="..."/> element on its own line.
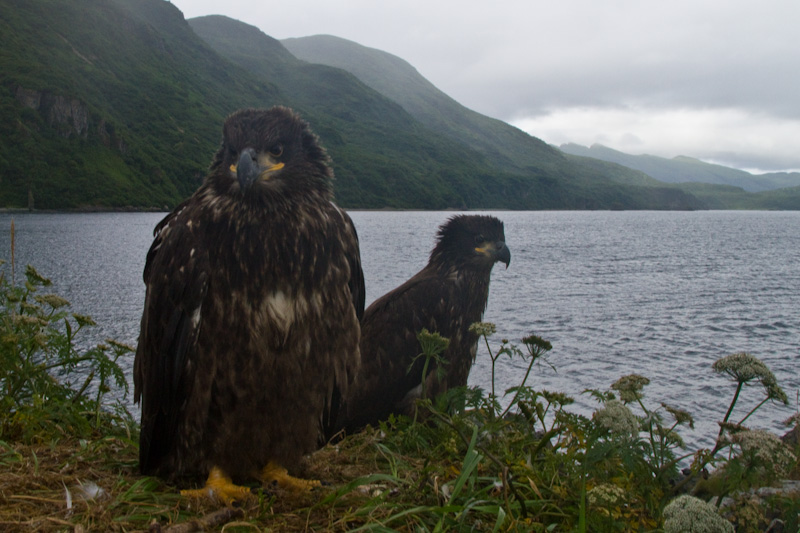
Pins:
<point x="39" y="360"/>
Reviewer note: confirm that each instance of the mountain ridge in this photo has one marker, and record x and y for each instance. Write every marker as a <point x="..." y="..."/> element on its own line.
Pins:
<point x="110" y="104"/>
<point x="403" y="83"/>
<point x="546" y="179"/>
<point x="681" y="169"/>
<point x="425" y="102"/>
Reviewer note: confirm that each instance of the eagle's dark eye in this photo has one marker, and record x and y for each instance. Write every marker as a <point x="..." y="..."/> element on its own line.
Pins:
<point x="479" y="239"/>
<point x="276" y="151"/>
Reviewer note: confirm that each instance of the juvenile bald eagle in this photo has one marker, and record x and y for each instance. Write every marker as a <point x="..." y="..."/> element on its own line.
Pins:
<point x="250" y="328"/>
<point x="446" y="296"/>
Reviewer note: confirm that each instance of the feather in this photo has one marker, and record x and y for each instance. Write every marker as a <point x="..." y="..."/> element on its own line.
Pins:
<point x="249" y="334"/>
<point x="445" y="297"/>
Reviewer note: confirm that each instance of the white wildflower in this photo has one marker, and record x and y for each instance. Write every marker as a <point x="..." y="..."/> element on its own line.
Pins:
<point x="681" y="416"/>
<point x="483" y="329"/>
<point x="766" y="451"/>
<point x="53" y="300"/>
<point x="687" y="514"/>
<point x="630" y="387"/>
<point x="743" y="368"/>
<point x="617" y="418"/>
<point x="605" y="495"/>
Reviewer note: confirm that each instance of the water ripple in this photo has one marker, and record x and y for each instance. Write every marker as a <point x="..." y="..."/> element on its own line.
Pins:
<point x="662" y="294"/>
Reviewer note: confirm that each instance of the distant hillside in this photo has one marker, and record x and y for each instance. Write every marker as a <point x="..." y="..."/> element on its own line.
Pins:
<point x="396" y="79"/>
<point x="100" y="106"/>
<point x="683" y="169"/>
<point x="532" y="173"/>
<point x="509" y="148"/>
<point x="113" y="103"/>
<point x="119" y="103"/>
<point x="383" y="157"/>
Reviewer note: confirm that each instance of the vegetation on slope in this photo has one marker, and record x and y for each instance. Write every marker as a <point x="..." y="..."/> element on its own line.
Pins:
<point x="99" y="107"/>
<point x="115" y="103"/>
<point x="504" y="145"/>
<point x="512" y="149"/>
<point x="119" y="103"/>
<point x="510" y="168"/>
<point x="474" y="460"/>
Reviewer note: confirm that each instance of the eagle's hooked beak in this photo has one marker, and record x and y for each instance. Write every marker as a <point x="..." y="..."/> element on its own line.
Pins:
<point x="498" y="251"/>
<point x="252" y="167"/>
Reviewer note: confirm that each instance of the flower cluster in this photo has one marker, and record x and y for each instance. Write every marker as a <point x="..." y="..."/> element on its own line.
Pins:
<point x="617" y="418"/>
<point x="483" y="329"/>
<point x="605" y="495"/>
<point x="681" y="416"/>
<point x="630" y="387"/>
<point x="743" y="368"/>
<point x="558" y="398"/>
<point x="765" y="450"/>
<point x="536" y="343"/>
<point x="432" y="343"/>
<point x="689" y="514"/>
<point x="52" y="300"/>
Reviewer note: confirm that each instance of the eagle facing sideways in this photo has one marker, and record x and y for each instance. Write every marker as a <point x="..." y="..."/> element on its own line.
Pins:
<point x="250" y="328"/>
<point x="446" y="297"/>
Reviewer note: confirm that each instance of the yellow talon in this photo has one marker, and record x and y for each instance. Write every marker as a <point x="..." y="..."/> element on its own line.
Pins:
<point x="272" y="473"/>
<point x="219" y="488"/>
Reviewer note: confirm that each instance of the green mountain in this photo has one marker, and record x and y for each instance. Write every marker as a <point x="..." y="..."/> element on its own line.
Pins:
<point x="393" y="77"/>
<point x="109" y="103"/>
<point x="532" y="174"/>
<point x="687" y="169"/>
<point x="382" y="156"/>
<point x="514" y="149"/>
<point x="119" y="103"/>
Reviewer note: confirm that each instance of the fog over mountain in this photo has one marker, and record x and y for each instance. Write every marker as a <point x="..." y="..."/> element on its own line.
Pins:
<point x="681" y="169"/>
<point x="709" y="80"/>
<point x="119" y="103"/>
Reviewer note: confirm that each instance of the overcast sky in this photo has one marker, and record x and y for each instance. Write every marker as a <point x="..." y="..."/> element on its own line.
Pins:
<point x="716" y="80"/>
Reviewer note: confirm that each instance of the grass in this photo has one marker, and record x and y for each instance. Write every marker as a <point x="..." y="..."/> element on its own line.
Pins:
<point x="466" y="462"/>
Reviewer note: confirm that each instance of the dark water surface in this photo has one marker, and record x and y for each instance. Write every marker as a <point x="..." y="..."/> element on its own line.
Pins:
<point x="662" y="294"/>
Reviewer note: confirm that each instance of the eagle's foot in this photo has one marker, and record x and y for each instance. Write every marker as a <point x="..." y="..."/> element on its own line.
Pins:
<point x="277" y="475"/>
<point x="219" y="488"/>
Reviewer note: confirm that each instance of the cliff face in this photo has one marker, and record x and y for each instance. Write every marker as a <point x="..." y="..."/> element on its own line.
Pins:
<point x="68" y="116"/>
<point x="100" y="108"/>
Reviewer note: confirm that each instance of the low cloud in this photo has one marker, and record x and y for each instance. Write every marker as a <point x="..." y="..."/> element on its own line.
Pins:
<point x="683" y="77"/>
<point x="733" y="137"/>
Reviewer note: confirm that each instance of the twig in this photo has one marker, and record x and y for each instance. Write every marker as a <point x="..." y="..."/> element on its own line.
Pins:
<point x="13" y="234"/>
<point x="34" y="498"/>
<point x="215" y="519"/>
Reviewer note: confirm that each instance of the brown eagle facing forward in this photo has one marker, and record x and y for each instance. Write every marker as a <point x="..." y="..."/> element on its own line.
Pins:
<point x="446" y="297"/>
<point x="250" y="328"/>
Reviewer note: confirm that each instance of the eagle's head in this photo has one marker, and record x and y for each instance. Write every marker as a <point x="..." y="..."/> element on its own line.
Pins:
<point x="471" y="241"/>
<point x="269" y="152"/>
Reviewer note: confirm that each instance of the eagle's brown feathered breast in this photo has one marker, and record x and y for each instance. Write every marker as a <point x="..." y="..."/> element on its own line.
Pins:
<point x="446" y="297"/>
<point x="250" y="330"/>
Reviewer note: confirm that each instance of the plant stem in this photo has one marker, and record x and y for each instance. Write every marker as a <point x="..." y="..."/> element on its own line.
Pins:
<point x="753" y="410"/>
<point x="649" y="417"/>
<point x="494" y="359"/>
<point x="516" y="394"/>
<point x="730" y="409"/>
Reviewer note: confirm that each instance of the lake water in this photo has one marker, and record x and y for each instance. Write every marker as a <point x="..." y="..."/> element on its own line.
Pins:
<point x="661" y="294"/>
